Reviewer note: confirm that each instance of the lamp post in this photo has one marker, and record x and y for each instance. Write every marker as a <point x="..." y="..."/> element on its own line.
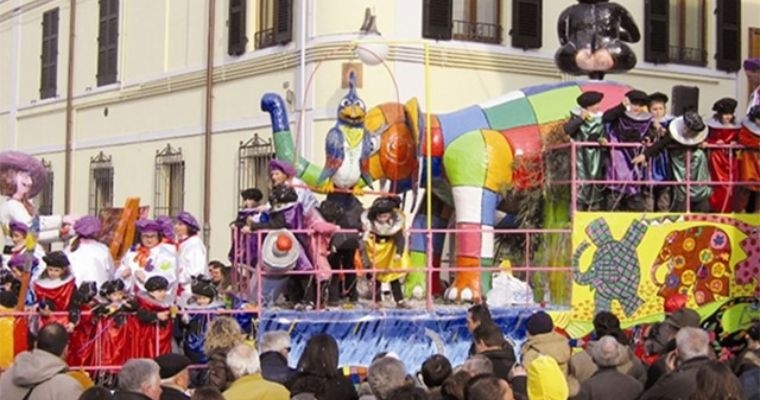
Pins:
<point x="370" y="50"/>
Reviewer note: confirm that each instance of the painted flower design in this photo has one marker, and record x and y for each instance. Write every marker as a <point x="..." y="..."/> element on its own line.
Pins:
<point x="688" y="278"/>
<point x="689" y="244"/>
<point x="705" y="256"/>
<point x="718" y="240"/>
<point x="672" y="281"/>
<point x="716" y="286"/>
<point x="679" y="262"/>
<point x="718" y="269"/>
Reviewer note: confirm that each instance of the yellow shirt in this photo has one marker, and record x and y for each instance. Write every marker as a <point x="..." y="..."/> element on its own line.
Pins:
<point x="254" y="387"/>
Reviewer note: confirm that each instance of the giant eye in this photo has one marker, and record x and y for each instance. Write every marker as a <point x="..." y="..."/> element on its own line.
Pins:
<point x="345" y="103"/>
<point x="375" y="143"/>
<point x="360" y="103"/>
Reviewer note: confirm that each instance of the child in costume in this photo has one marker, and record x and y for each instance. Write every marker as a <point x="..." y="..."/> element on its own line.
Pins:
<point x="343" y="247"/>
<point x="384" y="244"/>
<point x="244" y="247"/>
<point x="628" y="122"/>
<point x="81" y="348"/>
<point x="147" y="259"/>
<point x="585" y="125"/>
<point x="724" y="164"/>
<point x="155" y="311"/>
<point x="117" y="324"/>
<point x="90" y="259"/>
<point x="55" y="289"/>
<point x="18" y="233"/>
<point x="9" y="347"/>
<point x="191" y="252"/>
<point x="687" y="133"/>
<point x="658" y="198"/>
<point x="195" y="318"/>
<point x="749" y="161"/>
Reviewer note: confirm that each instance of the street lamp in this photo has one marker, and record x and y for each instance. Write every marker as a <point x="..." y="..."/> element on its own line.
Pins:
<point x="369" y="48"/>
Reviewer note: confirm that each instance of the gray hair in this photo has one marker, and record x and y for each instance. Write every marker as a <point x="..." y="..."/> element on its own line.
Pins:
<point x="137" y="373"/>
<point x="274" y="341"/>
<point x="692" y="343"/>
<point x="606" y="352"/>
<point x="478" y="364"/>
<point x="385" y="375"/>
<point x="243" y="360"/>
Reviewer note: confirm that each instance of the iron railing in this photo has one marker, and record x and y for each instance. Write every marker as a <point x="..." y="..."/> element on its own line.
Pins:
<point x="477" y="31"/>
<point x="688" y="56"/>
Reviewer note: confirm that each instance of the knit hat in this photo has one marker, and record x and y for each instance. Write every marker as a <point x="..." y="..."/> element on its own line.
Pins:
<point x="539" y="323"/>
<point x="87" y="226"/>
<point x="56" y="259"/>
<point x="546" y="380"/>
<point x="725" y="105"/>
<point x="156" y="283"/>
<point x="588" y="99"/>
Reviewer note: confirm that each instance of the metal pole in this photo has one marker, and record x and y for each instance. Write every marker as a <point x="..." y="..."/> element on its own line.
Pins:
<point x="209" y="122"/>
<point x="69" y="108"/>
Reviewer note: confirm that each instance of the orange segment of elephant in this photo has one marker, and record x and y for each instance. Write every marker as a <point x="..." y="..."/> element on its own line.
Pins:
<point x="469" y="278"/>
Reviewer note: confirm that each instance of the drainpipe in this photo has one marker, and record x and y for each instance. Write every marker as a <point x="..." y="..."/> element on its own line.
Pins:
<point x="69" y="108"/>
<point x="301" y="102"/>
<point x="209" y="122"/>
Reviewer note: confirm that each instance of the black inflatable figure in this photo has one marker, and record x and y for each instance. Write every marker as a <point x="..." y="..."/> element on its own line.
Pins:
<point x="592" y="34"/>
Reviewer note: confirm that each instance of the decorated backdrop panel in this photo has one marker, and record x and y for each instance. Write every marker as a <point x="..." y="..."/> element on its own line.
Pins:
<point x="631" y="263"/>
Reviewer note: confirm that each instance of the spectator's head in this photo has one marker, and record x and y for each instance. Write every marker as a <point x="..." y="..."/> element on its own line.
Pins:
<point x="715" y="381"/>
<point x="478" y="364"/>
<point x="753" y="335"/>
<point x="453" y="387"/>
<point x="386" y="375"/>
<point x="96" y="393"/>
<point x="692" y="343"/>
<point x="408" y="392"/>
<point x="682" y="318"/>
<point x="278" y="341"/>
<point x="539" y="323"/>
<point x="606" y="353"/>
<point x="608" y="324"/>
<point x="546" y="380"/>
<point x="243" y="360"/>
<point x="488" y="387"/>
<point x="173" y="369"/>
<point x="435" y="370"/>
<point x="477" y="315"/>
<point x="320" y="356"/>
<point x="207" y="393"/>
<point x="488" y="336"/>
<point x="141" y="375"/>
<point x="222" y="333"/>
<point x="53" y="339"/>
<point x="218" y="272"/>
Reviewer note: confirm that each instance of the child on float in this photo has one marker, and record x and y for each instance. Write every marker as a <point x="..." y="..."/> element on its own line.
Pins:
<point x="384" y="244"/>
<point x="191" y="252"/>
<point x="686" y="137"/>
<point x="749" y="162"/>
<point x="723" y="163"/>
<point x="155" y="311"/>
<point x="343" y="247"/>
<point x="244" y="247"/>
<point x="90" y="259"/>
<point x="81" y="347"/>
<point x="13" y="336"/>
<point x="658" y="197"/>
<point x="629" y="122"/>
<point x="54" y="290"/>
<point x="148" y="258"/>
<point x="116" y="323"/>
<point x="18" y="234"/>
<point x="196" y="313"/>
<point x="585" y="125"/>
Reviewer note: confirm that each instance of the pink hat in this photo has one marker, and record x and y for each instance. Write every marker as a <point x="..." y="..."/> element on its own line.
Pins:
<point x="148" y="225"/>
<point x="188" y="219"/>
<point x="87" y="226"/>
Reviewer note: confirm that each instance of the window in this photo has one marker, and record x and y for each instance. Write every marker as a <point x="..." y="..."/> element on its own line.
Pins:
<point x="527" y="25"/>
<point x="49" y="57"/>
<point x="45" y="198"/>
<point x="728" y="24"/>
<point x="101" y="183"/>
<point x="675" y="32"/>
<point x="275" y="23"/>
<point x="108" y="43"/>
<point x="236" y="28"/>
<point x="437" y="19"/>
<point x="169" y="197"/>
<point x="753" y="52"/>
<point x="253" y="168"/>
<point x="477" y="20"/>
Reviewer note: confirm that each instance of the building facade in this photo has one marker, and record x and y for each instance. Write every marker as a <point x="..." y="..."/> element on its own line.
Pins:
<point x="119" y="99"/>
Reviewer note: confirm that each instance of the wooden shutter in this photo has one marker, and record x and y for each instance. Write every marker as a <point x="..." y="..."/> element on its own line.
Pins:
<point x="283" y="21"/>
<point x="236" y="28"/>
<point x="728" y="57"/>
<point x="108" y="41"/>
<point x="437" y="19"/>
<point x="527" y="24"/>
<point x="657" y="31"/>
<point x="49" y="56"/>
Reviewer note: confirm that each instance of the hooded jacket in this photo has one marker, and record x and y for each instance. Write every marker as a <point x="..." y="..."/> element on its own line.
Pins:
<point x="41" y="371"/>
<point x="546" y="380"/>
<point x="502" y="359"/>
<point x="549" y="344"/>
<point x="582" y="366"/>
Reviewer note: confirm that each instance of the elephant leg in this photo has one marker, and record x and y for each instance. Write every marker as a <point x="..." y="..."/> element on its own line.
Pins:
<point x="415" y="283"/>
<point x="602" y="303"/>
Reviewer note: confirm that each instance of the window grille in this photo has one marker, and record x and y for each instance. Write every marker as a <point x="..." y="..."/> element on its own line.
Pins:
<point x="101" y="183"/>
<point x="253" y="165"/>
<point x="169" y="195"/>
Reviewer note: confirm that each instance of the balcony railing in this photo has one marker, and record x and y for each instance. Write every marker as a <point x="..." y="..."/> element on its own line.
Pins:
<point x="688" y="56"/>
<point x="263" y="39"/>
<point x="477" y="31"/>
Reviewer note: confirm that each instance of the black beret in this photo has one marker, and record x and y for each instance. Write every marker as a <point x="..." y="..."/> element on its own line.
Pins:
<point x="282" y="194"/>
<point x="156" y="283"/>
<point x="589" y="99"/>
<point x="693" y="121"/>
<point x="56" y="259"/>
<point x="87" y="291"/>
<point x="252" y="194"/>
<point x="382" y="205"/>
<point x="637" y="97"/>
<point x="725" y="105"/>
<point x="8" y="299"/>
<point x="111" y="287"/>
<point x="171" y="364"/>
<point x="202" y="286"/>
<point x="658" y="97"/>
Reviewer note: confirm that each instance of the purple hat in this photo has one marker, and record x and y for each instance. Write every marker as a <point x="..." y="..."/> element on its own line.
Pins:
<point x="188" y="219"/>
<point x="87" y="226"/>
<point x="24" y="162"/>
<point x="18" y="260"/>
<point x="16" y="226"/>
<point x="752" y="64"/>
<point x="283" y="166"/>
<point x="148" y="225"/>
<point x="167" y="226"/>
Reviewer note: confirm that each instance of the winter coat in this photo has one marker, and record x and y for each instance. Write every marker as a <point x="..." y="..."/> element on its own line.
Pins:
<point x="335" y="388"/>
<point x="550" y="344"/>
<point x="274" y="367"/>
<point x="582" y="366"/>
<point x="679" y="384"/>
<point x="220" y="375"/>
<point x="610" y="383"/>
<point x="41" y="371"/>
<point x="170" y="393"/>
<point x="751" y="383"/>
<point x="502" y="359"/>
<point x="254" y="387"/>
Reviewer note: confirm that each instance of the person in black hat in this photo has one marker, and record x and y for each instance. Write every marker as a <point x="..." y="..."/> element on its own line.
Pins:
<point x="251" y="212"/>
<point x="154" y="315"/>
<point x="686" y="136"/>
<point x="195" y="318"/>
<point x="629" y="122"/>
<point x="585" y="125"/>
<point x="658" y="197"/>
<point x="343" y="247"/>
<point x="749" y="165"/>
<point x="175" y="376"/>
<point x="723" y="129"/>
<point x="55" y="288"/>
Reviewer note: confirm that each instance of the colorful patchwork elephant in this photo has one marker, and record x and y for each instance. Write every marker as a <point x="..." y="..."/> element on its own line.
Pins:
<point x="614" y="273"/>
<point x="473" y="154"/>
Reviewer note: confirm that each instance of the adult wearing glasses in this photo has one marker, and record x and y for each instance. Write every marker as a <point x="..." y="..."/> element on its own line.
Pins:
<point x="147" y="259"/>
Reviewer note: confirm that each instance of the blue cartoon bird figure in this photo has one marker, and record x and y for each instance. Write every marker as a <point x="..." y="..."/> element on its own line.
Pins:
<point x="348" y="146"/>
